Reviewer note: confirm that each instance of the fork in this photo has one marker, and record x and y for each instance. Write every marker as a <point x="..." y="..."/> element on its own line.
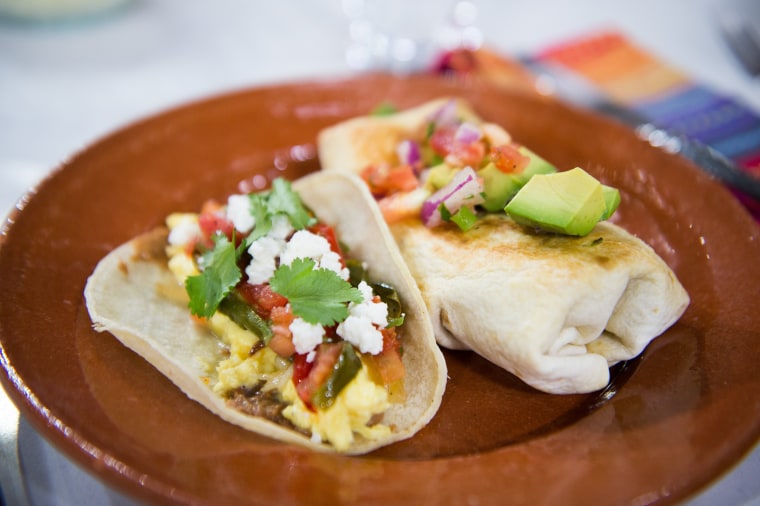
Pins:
<point x="12" y="490"/>
<point x="739" y="24"/>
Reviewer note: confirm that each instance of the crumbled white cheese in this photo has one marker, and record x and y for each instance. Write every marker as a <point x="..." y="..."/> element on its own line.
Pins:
<point x="331" y="261"/>
<point x="281" y="227"/>
<point x="361" y="328"/>
<point x="264" y="252"/>
<point x="305" y="244"/>
<point x="306" y="336"/>
<point x="239" y="213"/>
<point x="365" y="290"/>
<point x="184" y="229"/>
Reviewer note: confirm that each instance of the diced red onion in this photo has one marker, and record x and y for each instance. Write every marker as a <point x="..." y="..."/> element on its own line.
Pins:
<point x="467" y="133"/>
<point x="408" y="152"/>
<point x="463" y="189"/>
<point x="446" y="114"/>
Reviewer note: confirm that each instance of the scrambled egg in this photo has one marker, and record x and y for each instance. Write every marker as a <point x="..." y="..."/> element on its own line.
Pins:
<point x="354" y="407"/>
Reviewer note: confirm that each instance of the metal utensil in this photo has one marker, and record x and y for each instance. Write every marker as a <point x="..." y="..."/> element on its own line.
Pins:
<point x="739" y="23"/>
<point x="568" y="86"/>
<point x="11" y="478"/>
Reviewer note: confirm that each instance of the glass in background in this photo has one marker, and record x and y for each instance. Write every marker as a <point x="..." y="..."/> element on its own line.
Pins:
<point x="403" y="36"/>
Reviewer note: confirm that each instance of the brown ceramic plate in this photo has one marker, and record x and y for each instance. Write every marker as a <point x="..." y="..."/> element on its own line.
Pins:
<point x="670" y="422"/>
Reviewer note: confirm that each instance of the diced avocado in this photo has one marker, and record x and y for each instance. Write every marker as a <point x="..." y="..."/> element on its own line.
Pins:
<point x="440" y="175"/>
<point x="611" y="200"/>
<point x="570" y="202"/>
<point x="499" y="187"/>
<point x="537" y="164"/>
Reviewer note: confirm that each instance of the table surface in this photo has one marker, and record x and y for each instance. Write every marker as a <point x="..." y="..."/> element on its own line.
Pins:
<point x="64" y="85"/>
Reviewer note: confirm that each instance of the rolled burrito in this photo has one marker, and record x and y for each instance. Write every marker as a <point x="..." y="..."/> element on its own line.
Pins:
<point x="556" y="310"/>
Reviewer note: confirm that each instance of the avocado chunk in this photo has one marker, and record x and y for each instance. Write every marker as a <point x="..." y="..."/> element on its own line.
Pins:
<point x="440" y="175"/>
<point x="570" y="202"/>
<point x="611" y="200"/>
<point x="499" y="187"/>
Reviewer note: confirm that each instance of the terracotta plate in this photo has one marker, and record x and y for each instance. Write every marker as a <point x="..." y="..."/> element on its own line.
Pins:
<point x="670" y="422"/>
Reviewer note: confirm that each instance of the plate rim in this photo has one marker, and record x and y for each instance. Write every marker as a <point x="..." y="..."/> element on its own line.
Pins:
<point x="78" y="448"/>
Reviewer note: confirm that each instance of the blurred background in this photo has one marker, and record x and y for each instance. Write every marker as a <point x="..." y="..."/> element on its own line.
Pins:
<point x="66" y="79"/>
<point x="72" y="71"/>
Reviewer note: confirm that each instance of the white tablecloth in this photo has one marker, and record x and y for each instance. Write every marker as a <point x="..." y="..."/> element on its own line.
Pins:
<point x="64" y="85"/>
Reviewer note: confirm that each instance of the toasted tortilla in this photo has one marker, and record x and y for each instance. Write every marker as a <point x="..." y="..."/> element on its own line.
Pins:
<point x="556" y="311"/>
<point x="125" y="296"/>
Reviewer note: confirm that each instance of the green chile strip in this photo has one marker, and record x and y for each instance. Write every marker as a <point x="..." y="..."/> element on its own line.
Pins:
<point x="389" y="295"/>
<point x="345" y="369"/>
<point x="238" y="310"/>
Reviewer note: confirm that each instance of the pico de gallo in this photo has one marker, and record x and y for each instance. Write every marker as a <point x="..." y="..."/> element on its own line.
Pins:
<point x="304" y="330"/>
<point x="454" y="171"/>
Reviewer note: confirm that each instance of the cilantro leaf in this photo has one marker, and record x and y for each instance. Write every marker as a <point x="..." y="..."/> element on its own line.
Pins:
<point x="219" y="277"/>
<point x="384" y="109"/>
<point x="318" y="296"/>
<point x="261" y="216"/>
<point x="282" y="199"/>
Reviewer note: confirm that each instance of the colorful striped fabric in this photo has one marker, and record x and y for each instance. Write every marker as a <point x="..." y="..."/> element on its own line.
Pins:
<point x="665" y="96"/>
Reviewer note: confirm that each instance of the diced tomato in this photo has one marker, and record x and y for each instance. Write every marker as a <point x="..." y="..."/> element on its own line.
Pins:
<point x="455" y="153"/>
<point x="322" y="367"/>
<point x="374" y="175"/>
<point x="383" y="180"/>
<point x="261" y="298"/>
<point x="465" y="155"/>
<point x="211" y="222"/>
<point x="508" y="159"/>
<point x="191" y="246"/>
<point x="388" y="364"/>
<point x="210" y="206"/>
<point x="301" y="368"/>
<point x="282" y="344"/>
<point x="401" y="179"/>
<point x="282" y="316"/>
<point x="442" y="140"/>
<point x="394" y="211"/>
<point x="282" y="338"/>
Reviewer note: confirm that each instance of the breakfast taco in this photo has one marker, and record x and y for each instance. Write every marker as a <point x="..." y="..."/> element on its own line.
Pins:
<point x="288" y="312"/>
<point x="515" y="259"/>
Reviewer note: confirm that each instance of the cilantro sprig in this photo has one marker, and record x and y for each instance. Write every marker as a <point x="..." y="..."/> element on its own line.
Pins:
<point x="219" y="265"/>
<point x="219" y="276"/>
<point x="280" y="200"/>
<point x="318" y="296"/>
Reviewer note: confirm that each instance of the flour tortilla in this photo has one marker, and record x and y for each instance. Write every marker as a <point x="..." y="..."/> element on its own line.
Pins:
<point x="556" y="311"/>
<point x="123" y="297"/>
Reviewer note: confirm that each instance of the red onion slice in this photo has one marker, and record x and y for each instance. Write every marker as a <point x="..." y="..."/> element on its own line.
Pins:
<point x="446" y="114"/>
<point x="467" y="133"/>
<point x="408" y="152"/>
<point x="463" y="189"/>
